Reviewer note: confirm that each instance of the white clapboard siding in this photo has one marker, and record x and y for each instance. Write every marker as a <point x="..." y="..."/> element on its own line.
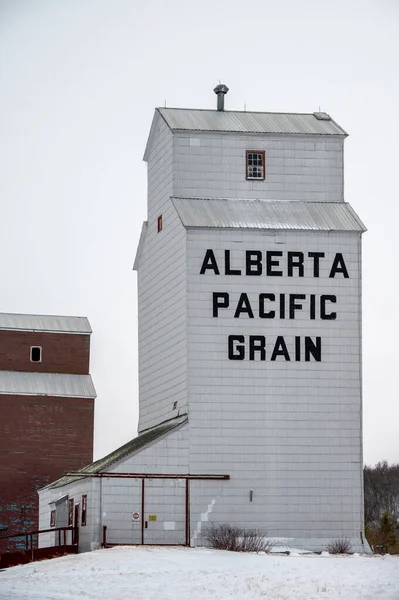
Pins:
<point x="297" y="167"/>
<point x="162" y="296"/>
<point x="290" y="432"/>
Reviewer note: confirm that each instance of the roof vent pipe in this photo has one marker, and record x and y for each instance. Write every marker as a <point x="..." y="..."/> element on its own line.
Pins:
<point x="220" y="90"/>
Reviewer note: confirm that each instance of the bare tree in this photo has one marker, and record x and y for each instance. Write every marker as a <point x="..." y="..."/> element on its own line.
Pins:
<point x="381" y="492"/>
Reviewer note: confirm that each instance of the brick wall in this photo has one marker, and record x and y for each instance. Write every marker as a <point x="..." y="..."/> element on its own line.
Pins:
<point x="40" y="438"/>
<point x="61" y="352"/>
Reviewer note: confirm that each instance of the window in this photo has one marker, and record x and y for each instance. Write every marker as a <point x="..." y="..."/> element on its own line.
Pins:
<point x="70" y="512"/>
<point x="84" y="509"/>
<point x="256" y="164"/>
<point x="159" y="223"/>
<point x="35" y="354"/>
<point x="52" y="518"/>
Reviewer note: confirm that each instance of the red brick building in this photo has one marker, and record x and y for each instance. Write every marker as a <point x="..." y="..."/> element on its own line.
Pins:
<point x="46" y="409"/>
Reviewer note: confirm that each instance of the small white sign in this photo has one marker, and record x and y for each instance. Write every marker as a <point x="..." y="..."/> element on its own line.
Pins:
<point x="169" y="525"/>
<point x="136" y="517"/>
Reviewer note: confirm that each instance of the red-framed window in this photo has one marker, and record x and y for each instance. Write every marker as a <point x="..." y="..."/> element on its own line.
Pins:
<point x="70" y="512"/>
<point x="159" y="223"/>
<point x="84" y="509"/>
<point x="52" y="518"/>
<point x="255" y="164"/>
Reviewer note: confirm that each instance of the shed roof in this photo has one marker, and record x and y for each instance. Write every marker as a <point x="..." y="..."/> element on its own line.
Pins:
<point x="47" y="323"/>
<point x="46" y="384"/>
<point x="187" y="119"/>
<point x="267" y="214"/>
<point x="138" y="443"/>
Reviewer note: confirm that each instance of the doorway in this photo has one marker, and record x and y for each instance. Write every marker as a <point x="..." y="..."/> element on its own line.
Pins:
<point x="164" y="511"/>
<point x="75" y="532"/>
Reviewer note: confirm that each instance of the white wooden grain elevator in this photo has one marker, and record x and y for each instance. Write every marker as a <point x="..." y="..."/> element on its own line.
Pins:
<point x="249" y="301"/>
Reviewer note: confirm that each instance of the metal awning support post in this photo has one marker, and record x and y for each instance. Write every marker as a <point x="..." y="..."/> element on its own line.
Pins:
<point x="187" y="512"/>
<point x="142" y="510"/>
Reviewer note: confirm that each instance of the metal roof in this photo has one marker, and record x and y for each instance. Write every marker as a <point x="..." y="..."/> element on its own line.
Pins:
<point x="48" y="323"/>
<point x="138" y="443"/>
<point x="184" y="119"/>
<point x="62" y="498"/>
<point x="267" y="214"/>
<point x="46" y="384"/>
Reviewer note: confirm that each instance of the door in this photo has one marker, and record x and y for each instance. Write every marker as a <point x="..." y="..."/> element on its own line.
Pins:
<point x="121" y="503"/>
<point x="164" y="511"/>
<point x="75" y="536"/>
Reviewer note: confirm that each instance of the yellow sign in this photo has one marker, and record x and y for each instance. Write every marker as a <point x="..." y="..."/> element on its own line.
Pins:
<point x="152" y="517"/>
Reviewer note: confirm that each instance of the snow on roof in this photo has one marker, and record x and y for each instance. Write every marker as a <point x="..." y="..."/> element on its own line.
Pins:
<point x="267" y="214"/>
<point x="137" y="443"/>
<point x="48" y="323"/>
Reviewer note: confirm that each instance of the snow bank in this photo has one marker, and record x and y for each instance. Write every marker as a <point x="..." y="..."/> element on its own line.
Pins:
<point x="156" y="573"/>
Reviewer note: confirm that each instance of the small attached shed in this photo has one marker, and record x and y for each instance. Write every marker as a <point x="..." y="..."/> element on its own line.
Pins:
<point x="131" y="496"/>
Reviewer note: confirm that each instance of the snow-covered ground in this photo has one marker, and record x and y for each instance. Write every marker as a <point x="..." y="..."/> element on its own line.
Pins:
<point x="156" y="573"/>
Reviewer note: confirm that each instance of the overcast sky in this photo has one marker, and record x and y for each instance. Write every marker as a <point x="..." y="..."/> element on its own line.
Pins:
<point x="79" y="81"/>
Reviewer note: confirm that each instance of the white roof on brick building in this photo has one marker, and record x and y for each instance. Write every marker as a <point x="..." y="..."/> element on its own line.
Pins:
<point x="47" y="323"/>
<point x="17" y="383"/>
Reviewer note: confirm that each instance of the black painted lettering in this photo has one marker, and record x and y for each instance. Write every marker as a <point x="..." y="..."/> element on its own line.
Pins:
<point x="282" y="306"/>
<point x="295" y="261"/>
<point x="323" y="315"/>
<point x="339" y="266"/>
<point x="257" y="343"/>
<point x="253" y="259"/>
<point x="312" y="306"/>
<point x="210" y="263"/>
<point x="244" y="306"/>
<point x="312" y="349"/>
<point x="236" y="347"/>
<point x="316" y="262"/>
<point x="270" y="263"/>
<point x="280" y="349"/>
<point x="293" y="305"/>
<point x="271" y="313"/>
<point x="219" y="300"/>
<point x="227" y="267"/>
<point x="297" y="348"/>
